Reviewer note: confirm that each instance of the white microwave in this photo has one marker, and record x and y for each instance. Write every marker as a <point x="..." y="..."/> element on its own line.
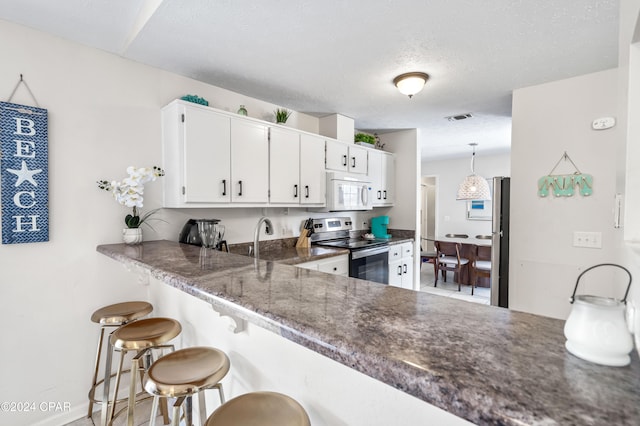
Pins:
<point x="348" y="192"/>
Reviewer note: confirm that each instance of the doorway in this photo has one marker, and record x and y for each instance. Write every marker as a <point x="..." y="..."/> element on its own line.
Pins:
<point x="428" y="207"/>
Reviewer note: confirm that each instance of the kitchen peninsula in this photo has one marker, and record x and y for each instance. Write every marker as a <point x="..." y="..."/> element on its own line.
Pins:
<point x="485" y="364"/>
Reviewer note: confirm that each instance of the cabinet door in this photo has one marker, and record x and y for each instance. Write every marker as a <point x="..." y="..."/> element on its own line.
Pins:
<point x="312" y="173"/>
<point x="284" y="166"/>
<point x="375" y="175"/>
<point x="249" y="162"/>
<point x="395" y="273"/>
<point x="357" y="159"/>
<point x="207" y="152"/>
<point x="338" y="265"/>
<point x="337" y="155"/>
<point x="407" y="272"/>
<point x="388" y="178"/>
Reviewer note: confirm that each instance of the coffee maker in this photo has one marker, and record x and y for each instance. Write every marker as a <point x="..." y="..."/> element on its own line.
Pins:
<point x="379" y="226"/>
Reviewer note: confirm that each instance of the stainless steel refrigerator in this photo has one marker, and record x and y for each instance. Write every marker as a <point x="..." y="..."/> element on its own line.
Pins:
<point x="500" y="242"/>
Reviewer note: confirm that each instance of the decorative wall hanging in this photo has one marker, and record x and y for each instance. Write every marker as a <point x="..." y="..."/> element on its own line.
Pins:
<point x="24" y="168"/>
<point x="564" y="185"/>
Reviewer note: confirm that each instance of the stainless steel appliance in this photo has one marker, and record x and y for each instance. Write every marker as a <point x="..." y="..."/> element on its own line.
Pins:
<point x="500" y="242"/>
<point x="368" y="259"/>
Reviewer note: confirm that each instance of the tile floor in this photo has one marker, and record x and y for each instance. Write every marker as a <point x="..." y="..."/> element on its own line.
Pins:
<point x="450" y="288"/>
<point x="142" y="413"/>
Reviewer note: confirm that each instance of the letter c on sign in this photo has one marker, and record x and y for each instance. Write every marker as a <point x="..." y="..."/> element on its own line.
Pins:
<point x="18" y="202"/>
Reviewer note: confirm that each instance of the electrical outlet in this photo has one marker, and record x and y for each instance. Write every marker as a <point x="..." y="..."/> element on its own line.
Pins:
<point x="587" y="239"/>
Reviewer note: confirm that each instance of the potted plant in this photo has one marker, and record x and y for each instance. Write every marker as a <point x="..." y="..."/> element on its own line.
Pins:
<point x="129" y="192"/>
<point x="282" y="114"/>
<point x="364" y="139"/>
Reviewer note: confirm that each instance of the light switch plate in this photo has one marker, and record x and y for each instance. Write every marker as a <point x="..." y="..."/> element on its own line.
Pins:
<point x="603" y="123"/>
<point x="587" y="239"/>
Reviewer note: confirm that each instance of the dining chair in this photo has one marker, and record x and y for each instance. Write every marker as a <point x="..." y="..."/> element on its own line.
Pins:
<point x="448" y="259"/>
<point x="481" y="266"/>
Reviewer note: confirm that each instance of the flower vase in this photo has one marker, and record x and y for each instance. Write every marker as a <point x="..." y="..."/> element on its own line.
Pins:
<point x="132" y="235"/>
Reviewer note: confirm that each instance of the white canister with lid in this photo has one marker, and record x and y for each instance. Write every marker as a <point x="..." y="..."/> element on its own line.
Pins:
<point x="596" y="329"/>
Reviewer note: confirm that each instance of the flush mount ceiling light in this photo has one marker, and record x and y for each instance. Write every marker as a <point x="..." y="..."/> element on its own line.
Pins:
<point x="474" y="187"/>
<point x="410" y="83"/>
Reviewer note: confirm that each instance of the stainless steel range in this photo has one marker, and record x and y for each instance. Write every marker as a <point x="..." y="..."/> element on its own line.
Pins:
<point x="368" y="258"/>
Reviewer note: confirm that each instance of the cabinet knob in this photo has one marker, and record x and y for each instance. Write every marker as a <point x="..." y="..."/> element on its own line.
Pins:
<point x="240" y="184"/>
<point x="224" y="187"/>
<point x="385" y="194"/>
<point x="306" y="191"/>
<point x="353" y="162"/>
<point x="295" y="191"/>
<point x="344" y="160"/>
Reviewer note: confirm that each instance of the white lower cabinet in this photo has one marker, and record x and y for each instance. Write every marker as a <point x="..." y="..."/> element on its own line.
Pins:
<point x="337" y="265"/>
<point x="401" y="265"/>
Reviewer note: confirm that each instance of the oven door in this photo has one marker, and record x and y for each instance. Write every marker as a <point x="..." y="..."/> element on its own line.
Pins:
<point x="370" y="264"/>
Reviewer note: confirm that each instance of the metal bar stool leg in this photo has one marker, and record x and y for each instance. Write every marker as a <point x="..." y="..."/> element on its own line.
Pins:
<point x="95" y="373"/>
<point x="202" y="408"/>
<point x="175" y="420"/>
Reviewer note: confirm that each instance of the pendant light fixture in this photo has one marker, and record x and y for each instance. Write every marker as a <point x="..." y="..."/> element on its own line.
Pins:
<point x="410" y="83"/>
<point x="474" y="187"/>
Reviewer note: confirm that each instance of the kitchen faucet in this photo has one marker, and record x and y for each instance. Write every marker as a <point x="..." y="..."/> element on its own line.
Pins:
<point x="268" y="227"/>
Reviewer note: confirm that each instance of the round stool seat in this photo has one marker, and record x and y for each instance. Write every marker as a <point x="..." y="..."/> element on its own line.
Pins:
<point x="260" y="409"/>
<point x="145" y="333"/>
<point x="121" y="313"/>
<point x="186" y="372"/>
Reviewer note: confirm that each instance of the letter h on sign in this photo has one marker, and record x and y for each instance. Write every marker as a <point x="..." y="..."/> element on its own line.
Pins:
<point x="25" y="175"/>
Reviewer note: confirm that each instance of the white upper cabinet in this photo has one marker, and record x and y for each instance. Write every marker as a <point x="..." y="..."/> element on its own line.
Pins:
<point x="345" y="157"/>
<point x="249" y="162"/>
<point x="382" y="175"/>
<point x="196" y="149"/>
<point x="284" y="170"/>
<point x="296" y="163"/>
<point x="214" y="158"/>
<point x="211" y="158"/>
<point x="312" y="174"/>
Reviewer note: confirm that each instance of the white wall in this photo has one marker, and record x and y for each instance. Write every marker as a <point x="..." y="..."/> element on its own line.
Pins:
<point x="451" y="213"/>
<point x="629" y="63"/>
<point x="548" y="120"/>
<point x="405" y="214"/>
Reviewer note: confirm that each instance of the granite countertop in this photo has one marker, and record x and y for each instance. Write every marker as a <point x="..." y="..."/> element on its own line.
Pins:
<point x="485" y="364"/>
<point x="284" y="251"/>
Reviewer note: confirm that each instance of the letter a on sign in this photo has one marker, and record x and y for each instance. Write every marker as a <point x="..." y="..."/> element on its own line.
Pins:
<point x="24" y="168"/>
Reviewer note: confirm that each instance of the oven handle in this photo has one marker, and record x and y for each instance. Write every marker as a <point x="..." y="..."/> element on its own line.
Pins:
<point x="359" y="254"/>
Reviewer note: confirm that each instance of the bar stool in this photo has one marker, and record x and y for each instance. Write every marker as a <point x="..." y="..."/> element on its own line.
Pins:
<point x="113" y="316"/>
<point x="183" y="374"/>
<point x="141" y="336"/>
<point x="260" y="409"/>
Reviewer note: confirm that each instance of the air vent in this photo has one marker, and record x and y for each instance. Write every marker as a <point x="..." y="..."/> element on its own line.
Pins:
<point x="459" y="117"/>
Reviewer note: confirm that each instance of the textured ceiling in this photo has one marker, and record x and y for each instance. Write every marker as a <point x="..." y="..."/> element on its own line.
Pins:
<point x="341" y="56"/>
